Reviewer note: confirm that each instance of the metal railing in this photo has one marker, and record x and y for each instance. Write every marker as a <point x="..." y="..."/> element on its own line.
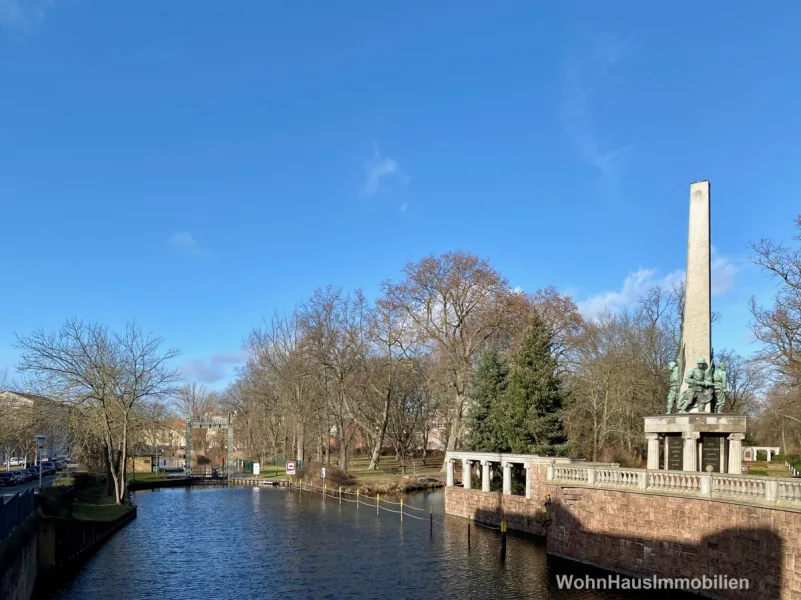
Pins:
<point x="14" y="511"/>
<point x="209" y="473"/>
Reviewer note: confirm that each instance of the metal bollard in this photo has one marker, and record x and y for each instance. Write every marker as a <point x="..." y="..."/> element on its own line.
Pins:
<point x="503" y="539"/>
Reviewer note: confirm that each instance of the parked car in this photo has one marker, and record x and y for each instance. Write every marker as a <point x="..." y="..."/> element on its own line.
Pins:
<point x="20" y="476"/>
<point x="15" y="462"/>
<point x="7" y="478"/>
<point x="34" y="472"/>
<point x="48" y="468"/>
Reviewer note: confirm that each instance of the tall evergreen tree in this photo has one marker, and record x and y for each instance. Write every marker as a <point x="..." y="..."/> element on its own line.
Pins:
<point x="532" y="405"/>
<point x="487" y="387"/>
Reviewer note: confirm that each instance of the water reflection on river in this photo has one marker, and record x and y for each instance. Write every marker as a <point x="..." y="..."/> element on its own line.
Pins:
<point x="268" y="543"/>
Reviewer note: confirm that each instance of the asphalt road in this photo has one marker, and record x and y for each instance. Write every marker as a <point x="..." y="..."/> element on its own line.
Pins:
<point x="7" y="492"/>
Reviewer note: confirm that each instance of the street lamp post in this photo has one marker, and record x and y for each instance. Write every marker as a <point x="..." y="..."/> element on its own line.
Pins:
<point x="40" y="440"/>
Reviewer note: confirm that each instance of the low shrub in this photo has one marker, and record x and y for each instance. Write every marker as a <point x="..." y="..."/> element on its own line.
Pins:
<point x="53" y="501"/>
<point x="84" y="479"/>
<point x="64" y="481"/>
<point x="334" y="476"/>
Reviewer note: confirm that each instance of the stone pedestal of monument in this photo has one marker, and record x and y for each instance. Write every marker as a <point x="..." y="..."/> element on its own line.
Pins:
<point x="705" y="442"/>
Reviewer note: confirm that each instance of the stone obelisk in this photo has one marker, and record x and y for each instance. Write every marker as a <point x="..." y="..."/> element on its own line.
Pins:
<point x="697" y="322"/>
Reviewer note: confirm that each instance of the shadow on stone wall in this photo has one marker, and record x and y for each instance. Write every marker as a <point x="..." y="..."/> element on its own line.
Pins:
<point x="752" y="553"/>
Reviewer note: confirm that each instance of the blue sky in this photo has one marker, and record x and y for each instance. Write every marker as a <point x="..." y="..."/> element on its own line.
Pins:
<point x="198" y="164"/>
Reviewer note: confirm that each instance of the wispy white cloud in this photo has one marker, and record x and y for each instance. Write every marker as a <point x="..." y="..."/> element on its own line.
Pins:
<point x="183" y="243"/>
<point x="639" y="282"/>
<point x="380" y="168"/>
<point x="634" y="286"/>
<point x="723" y="272"/>
<point x="404" y="207"/>
<point x="22" y="15"/>
<point x="585" y="76"/>
<point x="213" y="369"/>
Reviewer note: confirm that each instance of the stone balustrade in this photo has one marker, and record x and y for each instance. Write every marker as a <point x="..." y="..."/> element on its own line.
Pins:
<point x="505" y="461"/>
<point x="569" y="471"/>
<point x="674" y="481"/>
<point x="741" y="488"/>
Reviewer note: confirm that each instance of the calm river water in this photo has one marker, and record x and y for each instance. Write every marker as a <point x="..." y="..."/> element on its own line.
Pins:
<point x="226" y="543"/>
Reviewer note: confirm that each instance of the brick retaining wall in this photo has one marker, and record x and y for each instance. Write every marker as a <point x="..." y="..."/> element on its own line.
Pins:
<point x="653" y="534"/>
<point x="520" y="514"/>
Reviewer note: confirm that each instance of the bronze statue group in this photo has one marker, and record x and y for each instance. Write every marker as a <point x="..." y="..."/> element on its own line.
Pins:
<point x="706" y="386"/>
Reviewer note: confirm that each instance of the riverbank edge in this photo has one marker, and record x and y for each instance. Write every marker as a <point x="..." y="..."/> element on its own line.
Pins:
<point x="136" y="486"/>
<point x="400" y="487"/>
<point x="57" y="562"/>
<point x="58" y="549"/>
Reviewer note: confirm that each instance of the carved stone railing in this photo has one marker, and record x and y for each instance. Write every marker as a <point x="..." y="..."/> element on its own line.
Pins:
<point x="739" y="487"/>
<point x="674" y="481"/>
<point x="742" y="488"/>
<point x="610" y="477"/>
<point x="574" y="474"/>
<point x="789" y="492"/>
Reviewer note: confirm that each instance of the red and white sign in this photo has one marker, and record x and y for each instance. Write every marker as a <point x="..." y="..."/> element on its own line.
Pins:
<point x="290" y="467"/>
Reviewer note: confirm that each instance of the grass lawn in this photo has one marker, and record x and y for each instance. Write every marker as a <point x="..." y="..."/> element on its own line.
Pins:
<point x="769" y="469"/>
<point x="268" y="472"/>
<point x="92" y="504"/>
<point x="358" y="467"/>
<point x="148" y="477"/>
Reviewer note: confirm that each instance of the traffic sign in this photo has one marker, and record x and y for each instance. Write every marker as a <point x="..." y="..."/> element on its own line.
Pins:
<point x="290" y="467"/>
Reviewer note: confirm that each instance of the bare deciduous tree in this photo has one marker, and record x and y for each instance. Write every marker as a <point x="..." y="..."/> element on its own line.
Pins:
<point x="453" y="301"/>
<point x="110" y="374"/>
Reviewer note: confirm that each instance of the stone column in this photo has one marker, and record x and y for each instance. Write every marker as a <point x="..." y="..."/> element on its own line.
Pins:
<point x="507" y="478"/>
<point x="528" y="480"/>
<point x="653" y="450"/>
<point x="697" y="327"/>
<point x="699" y="456"/>
<point x="690" y="457"/>
<point x="736" y="453"/>
<point x="188" y="442"/>
<point x="485" y="476"/>
<point x="449" y="473"/>
<point x="467" y="473"/>
<point x="768" y="451"/>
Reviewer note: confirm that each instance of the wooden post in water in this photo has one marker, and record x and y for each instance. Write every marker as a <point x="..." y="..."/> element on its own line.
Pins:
<point x="468" y="533"/>
<point x="430" y="521"/>
<point x="357" y="498"/>
<point x="377" y="502"/>
<point x="340" y="494"/>
<point x="401" y="510"/>
<point x="503" y="540"/>
<point x="323" y="490"/>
